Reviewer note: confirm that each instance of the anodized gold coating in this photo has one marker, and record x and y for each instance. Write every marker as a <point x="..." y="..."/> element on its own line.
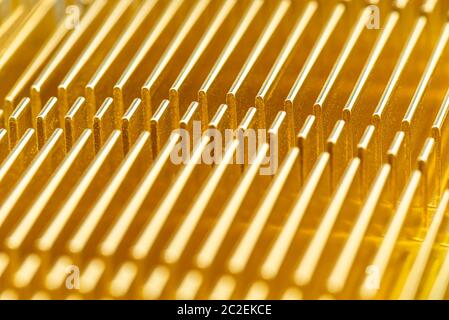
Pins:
<point x="352" y="94"/>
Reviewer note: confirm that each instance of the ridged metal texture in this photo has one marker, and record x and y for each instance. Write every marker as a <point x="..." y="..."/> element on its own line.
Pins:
<point x="91" y="92"/>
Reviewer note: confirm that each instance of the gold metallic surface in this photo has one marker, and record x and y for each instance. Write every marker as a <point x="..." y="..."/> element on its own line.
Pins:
<point x="93" y="206"/>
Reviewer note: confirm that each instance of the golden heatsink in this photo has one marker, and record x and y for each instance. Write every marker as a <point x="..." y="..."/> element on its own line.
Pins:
<point x="117" y="182"/>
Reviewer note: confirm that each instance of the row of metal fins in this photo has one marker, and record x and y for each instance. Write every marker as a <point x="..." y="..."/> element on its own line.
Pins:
<point x="86" y="124"/>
